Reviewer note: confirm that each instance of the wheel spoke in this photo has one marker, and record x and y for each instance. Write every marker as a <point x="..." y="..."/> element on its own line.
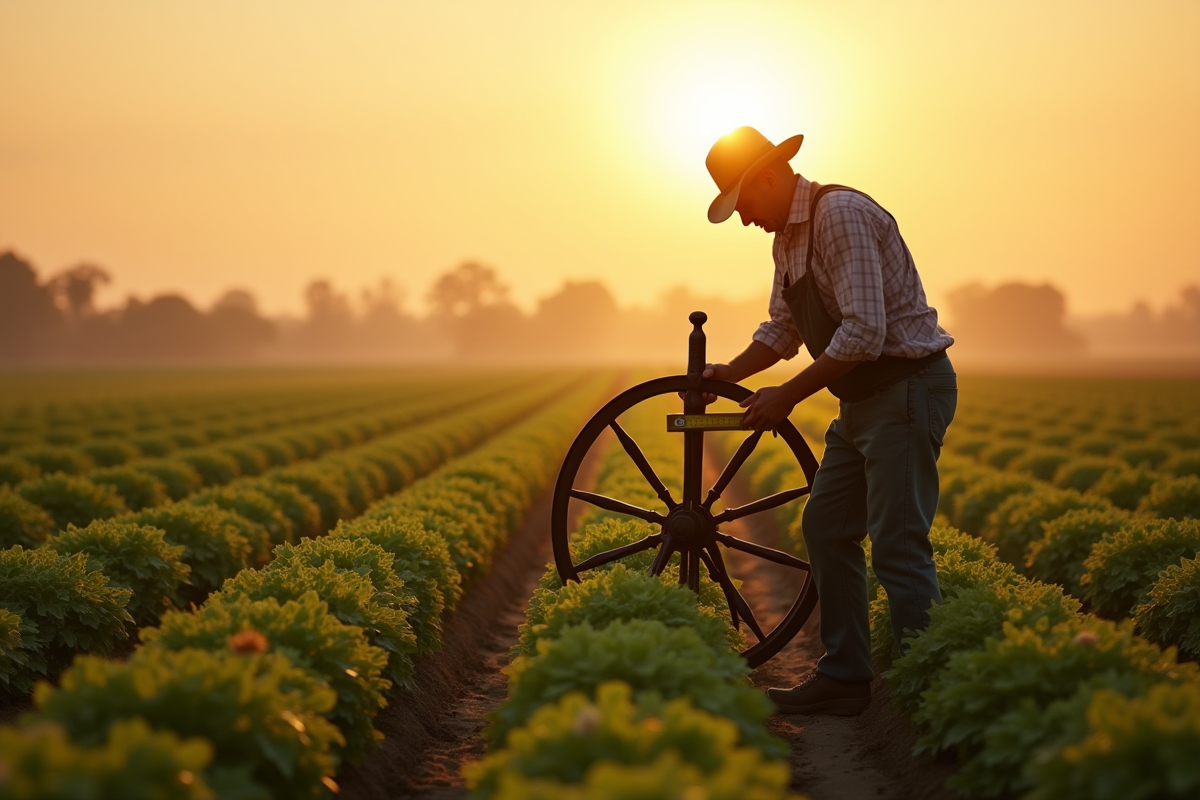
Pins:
<point x="739" y="458"/>
<point x="660" y="559"/>
<point x="693" y="557"/>
<point x="716" y="576"/>
<point x="609" y="556"/>
<point x="767" y="553"/>
<point x="738" y="601"/>
<point x="766" y="503"/>
<point x="611" y="504"/>
<point x="639" y="459"/>
<point x="684" y="562"/>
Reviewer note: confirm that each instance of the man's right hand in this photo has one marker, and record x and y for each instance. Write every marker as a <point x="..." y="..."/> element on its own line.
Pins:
<point x="720" y="372"/>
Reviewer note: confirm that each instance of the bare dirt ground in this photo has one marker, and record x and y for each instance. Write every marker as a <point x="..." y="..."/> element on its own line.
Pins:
<point x="833" y="758"/>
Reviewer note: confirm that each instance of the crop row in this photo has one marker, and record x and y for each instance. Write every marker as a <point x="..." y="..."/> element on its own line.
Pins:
<point x="1119" y="562"/>
<point x="84" y="587"/>
<point x="275" y="680"/>
<point x="191" y="463"/>
<point x="1034" y="696"/>
<point x="36" y="508"/>
<point x="625" y="685"/>
<point x="170" y="421"/>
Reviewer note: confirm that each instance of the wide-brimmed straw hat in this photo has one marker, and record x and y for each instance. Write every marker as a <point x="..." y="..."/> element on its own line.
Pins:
<point x="736" y="155"/>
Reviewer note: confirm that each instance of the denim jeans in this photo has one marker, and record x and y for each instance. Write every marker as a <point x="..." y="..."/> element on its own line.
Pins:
<point x="878" y="478"/>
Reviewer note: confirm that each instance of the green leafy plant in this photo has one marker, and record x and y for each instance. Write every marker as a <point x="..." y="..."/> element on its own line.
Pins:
<point x="1122" y="566"/>
<point x="981" y="498"/>
<point x="134" y="557"/>
<point x="262" y="715"/>
<point x="962" y="562"/>
<point x="138" y="488"/>
<point x="1125" y="488"/>
<point x="71" y="500"/>
<point x="1041" y="462"/>
<point x="422" y="562"/>
<point x="612" y="532"/>
<point x="565" y="741"/>
<point x="1097" y="445"/>
<point x="468" y="529"/>
<point x="667" y="777"/>
<point x="1021" y="519"/>
<point x="1183" y="464"/>
<point x="153" y="446"/>
<point x="178" y="477"/>
<point x="48" y="458"/>
<point x="214" y="547"/>
<point x="300" y="509"/>
<point x="63" y="607"/>
<point x="622" y="594"/>
<point x="1144" y="454"/>
<point x="273" y="450"/>
<point x="1178" y="498"/>
<point x="14" y="470"/>
<point x="133" y="763"/>
<point x="311" y="637"/>
<point x="1024" y="672"/>
<point x="963" y="623"/>
<point x="1082" y="473"/>
<point x="1170" y="614"/>
<point x="249" y="460"/>
<point x="215" y="468"/>
<point x="356" y="580"/>
<point x="1058" y="557"/>
<point x="109" y="452"/>
<point x="323" y="487"/>
<point x="13" y="658"/>
<point x="1134" y="747"/>
<point x="22" y="522"/>
<point x="649" y="656"/>
<point x="251" y="504"/>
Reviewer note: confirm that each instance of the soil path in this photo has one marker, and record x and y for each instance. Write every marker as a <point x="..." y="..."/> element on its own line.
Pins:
<point x="435" y="729"/>
<point x="833" y="758"/>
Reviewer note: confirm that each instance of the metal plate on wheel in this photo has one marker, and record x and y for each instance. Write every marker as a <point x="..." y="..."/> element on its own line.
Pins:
<point x="679" y="423"/>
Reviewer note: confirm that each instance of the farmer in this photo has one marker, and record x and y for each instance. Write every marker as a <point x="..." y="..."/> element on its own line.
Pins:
<point x="846" y="287"/>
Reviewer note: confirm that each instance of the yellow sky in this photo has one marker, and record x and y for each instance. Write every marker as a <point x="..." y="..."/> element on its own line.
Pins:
<point x="262" y="143"/>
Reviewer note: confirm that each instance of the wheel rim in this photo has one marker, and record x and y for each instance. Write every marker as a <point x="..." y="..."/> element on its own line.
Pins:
<point x="689" y="527"/>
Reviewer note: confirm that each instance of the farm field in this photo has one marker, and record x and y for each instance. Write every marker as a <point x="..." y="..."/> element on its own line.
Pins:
<point x="299" y="583"/>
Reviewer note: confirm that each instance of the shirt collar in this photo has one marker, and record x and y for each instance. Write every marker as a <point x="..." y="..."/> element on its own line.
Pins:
<point x="801" y="201"/>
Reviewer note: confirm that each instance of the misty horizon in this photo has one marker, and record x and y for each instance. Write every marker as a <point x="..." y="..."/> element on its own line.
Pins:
<point x="468" y="315"/>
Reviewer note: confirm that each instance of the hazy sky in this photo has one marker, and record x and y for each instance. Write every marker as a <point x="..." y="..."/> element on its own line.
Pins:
<point x="260" y="143"/>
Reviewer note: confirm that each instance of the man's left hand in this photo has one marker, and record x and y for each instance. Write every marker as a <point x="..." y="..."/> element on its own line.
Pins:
<point x="768" y="407"/>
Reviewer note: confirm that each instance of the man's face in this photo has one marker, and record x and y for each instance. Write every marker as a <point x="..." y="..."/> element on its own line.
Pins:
<point x="757" y="204"/>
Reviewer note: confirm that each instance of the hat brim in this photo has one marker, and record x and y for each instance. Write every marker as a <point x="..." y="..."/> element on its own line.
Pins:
<point x="722" y="208"/>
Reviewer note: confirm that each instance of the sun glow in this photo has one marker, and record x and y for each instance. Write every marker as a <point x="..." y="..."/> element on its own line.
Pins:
<point x="679" y="91"/>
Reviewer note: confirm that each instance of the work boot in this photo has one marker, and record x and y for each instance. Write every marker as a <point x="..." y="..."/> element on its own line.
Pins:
<point x="821" y="694"/>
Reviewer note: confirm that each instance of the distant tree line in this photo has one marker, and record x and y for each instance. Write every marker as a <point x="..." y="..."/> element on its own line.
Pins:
<point x="472" y="318"/>
<point x="56" y="321"/>
<point x="1020" y="320"/>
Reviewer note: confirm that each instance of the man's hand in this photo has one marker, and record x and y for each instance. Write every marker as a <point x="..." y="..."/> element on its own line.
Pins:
<point x="768" y="407"/>
<point x="720" y="372"/>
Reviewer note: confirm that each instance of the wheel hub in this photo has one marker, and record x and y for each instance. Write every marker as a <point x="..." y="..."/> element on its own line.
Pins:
<point x="688" y="528"/>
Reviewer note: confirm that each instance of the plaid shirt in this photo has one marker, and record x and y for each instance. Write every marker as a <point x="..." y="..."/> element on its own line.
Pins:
<point x="864" y="275"/>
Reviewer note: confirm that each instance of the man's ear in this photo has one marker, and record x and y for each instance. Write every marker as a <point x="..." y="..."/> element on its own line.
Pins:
<point x="768" y="179"/>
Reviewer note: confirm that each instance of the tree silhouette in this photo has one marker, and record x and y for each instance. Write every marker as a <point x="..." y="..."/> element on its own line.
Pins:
<point x="29" y="320"/>
<point x="466" y="289"/>
<point x="75" y="288"/>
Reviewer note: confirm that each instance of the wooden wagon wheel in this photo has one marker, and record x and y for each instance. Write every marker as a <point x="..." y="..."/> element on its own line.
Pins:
<point x="689" y="527"/>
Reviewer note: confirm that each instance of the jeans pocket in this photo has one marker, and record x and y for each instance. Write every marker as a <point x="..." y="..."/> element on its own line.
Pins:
<point x="943" y="400"/>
